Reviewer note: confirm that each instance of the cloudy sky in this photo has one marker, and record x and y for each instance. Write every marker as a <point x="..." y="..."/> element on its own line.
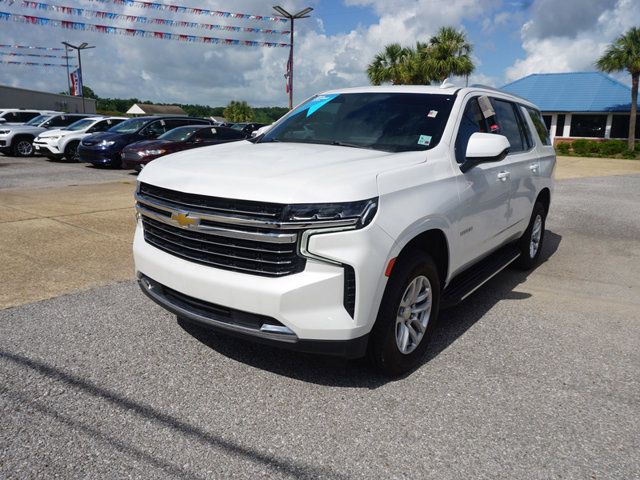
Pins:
<point x="511" y="38"/>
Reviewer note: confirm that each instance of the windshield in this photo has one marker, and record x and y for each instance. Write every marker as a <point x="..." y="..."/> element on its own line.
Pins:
<point x="239" y="126"/>
<point x="179" y="134"/>
<point x="392" y="122"/>
<point x="81" y="124"/>
<point x="129" y="126"/>
<point x="37" y="120"/>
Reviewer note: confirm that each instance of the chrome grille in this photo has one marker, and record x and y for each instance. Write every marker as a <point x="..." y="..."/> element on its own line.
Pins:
<point x="228" y="234"/>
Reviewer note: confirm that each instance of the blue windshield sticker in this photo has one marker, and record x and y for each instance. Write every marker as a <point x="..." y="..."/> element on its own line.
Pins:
<point x="319" y="102"/>
<point x="424" y="140"/>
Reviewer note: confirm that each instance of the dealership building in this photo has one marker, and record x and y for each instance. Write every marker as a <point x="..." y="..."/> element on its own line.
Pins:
<point x="579" y="104"/>
<point x="12" y="97"/>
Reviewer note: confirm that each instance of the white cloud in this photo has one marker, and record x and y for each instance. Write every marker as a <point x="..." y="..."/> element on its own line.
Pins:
<point x="160" y="70"/>
<point x="572" y="41"/>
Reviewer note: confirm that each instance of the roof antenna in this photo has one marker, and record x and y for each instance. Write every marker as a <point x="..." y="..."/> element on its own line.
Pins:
<point x="446" y="83"/>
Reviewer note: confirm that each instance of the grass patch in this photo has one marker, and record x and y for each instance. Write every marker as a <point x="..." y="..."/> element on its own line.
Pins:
<point x="603" y="149"/>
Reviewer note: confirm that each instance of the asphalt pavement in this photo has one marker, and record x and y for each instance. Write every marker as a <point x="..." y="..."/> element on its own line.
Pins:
<point x="534" y="376"/>
<point x="39" y="172"/>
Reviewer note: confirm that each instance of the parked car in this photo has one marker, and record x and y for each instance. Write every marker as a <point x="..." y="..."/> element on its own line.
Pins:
<point x="17" y="140"/>
<point x="138" y="154"/>
<point x="348" y="226"/>
<point x="19" y="116"/>
<point x="247" y="128"/>
<point x="63" y="143"/>
<point x="105" y="149"/>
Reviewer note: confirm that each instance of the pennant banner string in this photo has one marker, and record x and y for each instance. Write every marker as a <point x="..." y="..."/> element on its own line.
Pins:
<point x="30" y="47"/>
<point x="35" y="64"/>
<point x="17" y="54"/>
<point x="84" y="12"/>
<point x="132" y="32"/>
<point x="193" y="10"/>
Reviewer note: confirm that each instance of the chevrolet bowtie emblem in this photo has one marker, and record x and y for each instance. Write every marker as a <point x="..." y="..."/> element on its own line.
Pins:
<point x="184" y="220"/>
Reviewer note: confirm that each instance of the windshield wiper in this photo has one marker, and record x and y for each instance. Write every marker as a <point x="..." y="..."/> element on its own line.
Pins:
<point x="352" y="145"/>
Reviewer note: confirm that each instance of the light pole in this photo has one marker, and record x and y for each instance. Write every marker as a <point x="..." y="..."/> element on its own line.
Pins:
<point x="82" y="46"/>
<point x="66" y="55"/>
<point x="301" y="14"/>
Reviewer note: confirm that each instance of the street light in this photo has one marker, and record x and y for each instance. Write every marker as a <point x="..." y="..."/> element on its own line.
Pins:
<point x="301" y="14"/>
<point x="82" y="46"/>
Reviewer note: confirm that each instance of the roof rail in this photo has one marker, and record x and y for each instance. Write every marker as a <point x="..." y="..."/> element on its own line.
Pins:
<point x="494" y="89"/>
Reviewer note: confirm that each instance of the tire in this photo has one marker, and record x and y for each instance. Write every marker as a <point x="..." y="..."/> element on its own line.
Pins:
<point x="388" y="336"/>
<point x="71" y="152"/>
<point x="22" y="147"/>
<point x="530" y="244"/>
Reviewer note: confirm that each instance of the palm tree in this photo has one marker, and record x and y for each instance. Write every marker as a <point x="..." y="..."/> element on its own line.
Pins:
<point x="624" y="54"/>
<point x="448" y="54"/>
<point x="390" y="65"/>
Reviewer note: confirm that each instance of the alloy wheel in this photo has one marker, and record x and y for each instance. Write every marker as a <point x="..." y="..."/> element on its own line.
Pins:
<point x="413" y="314"/>
<point x="536" y="236"/>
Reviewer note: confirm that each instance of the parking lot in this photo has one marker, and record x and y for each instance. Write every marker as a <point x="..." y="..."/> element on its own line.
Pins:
<point x="533" y="376"/>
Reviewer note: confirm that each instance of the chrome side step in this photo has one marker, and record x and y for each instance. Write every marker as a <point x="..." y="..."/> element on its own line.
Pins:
<point x="467" y="282"/>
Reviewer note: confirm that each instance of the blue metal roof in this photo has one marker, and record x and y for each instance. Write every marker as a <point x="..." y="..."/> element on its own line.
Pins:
<point x="573" y="92"/>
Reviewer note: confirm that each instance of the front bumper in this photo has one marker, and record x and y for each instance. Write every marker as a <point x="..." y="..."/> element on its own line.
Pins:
<point x="309" y="305"/>
<point x="245" y="325"/>
<point x="133" y="160"/>
<point x="46" y="148"/>
<point x="98" y="156"/>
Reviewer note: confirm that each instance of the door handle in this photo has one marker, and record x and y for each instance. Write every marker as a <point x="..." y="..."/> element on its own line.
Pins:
<point x="503" y="176"/>
<point x="534" y="167"/>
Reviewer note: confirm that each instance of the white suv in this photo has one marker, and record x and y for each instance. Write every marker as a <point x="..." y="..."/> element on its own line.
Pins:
<point x="349" y="224"/>
<point x="63" y="143"/>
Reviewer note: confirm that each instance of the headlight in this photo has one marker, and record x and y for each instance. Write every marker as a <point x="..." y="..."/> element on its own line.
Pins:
<point x="51" y="139"/>
<point x="319" y="218"/>
<point x="106" y="143"/>
<point x="146" y="153"/>
<point x="5" y="132"/>
<point x="317" y="215"/>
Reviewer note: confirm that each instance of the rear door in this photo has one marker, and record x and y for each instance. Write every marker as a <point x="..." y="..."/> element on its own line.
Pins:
<point x="521" y="164"/>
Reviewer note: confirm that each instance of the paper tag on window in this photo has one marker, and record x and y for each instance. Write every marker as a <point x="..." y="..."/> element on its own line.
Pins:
<point x="424" y="140"/>
<point x="486" y="107"/>
<point x="432" y="114"/>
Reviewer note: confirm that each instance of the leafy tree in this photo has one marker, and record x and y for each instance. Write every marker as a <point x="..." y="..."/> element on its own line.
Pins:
<point x="448" y="54"/>
<point x="390" y="65"/>
<point x="624" y="54"/>
<point x="89" y="93"/>
<point x="238" y="112"/>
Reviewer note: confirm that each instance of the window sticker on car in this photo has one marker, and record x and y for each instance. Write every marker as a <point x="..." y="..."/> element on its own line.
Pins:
<point x="424" y="140"/>
<point x="486" y="107"/>
<point x="319" y="102"/>
<point x="432" y="114"/>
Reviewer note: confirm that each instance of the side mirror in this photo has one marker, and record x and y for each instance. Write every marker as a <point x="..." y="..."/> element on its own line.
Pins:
<point x="2" y="120"/>
<point x="484" y="148"/>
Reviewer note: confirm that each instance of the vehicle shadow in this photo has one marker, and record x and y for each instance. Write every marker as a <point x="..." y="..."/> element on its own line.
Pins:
<point x="329" y="371"/>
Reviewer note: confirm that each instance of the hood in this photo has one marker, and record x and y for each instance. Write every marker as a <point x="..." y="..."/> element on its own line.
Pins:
<point x="53" y="133"/>
<point x="119" y="138"/>
<point x="24" y="129"/>
<point x="150" y="144"/>
<point x="277" y="172"/>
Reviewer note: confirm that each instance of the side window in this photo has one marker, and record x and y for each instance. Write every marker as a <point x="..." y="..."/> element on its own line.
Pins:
<point x="171" y="124"/>
<point x="155" y="129"/>
<point x="508" y="124"/>
<point x="209" y="134"/>
<point x="11" y="117"/>
<point x="99" y="127"/>
<point x="25" y="116"/>
<point x="472" y="121"/>
<point x="524" y="128"/>
<point x="540" y="125"/>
